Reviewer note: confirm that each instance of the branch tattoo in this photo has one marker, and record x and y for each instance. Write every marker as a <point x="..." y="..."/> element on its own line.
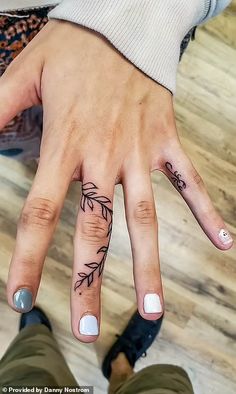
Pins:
<point x="176" y="177"/>
<point x="90" y="197"/>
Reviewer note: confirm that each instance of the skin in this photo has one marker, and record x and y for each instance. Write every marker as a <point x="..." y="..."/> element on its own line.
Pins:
<point x="121" y="371"/>
<point x="104" y="122"/>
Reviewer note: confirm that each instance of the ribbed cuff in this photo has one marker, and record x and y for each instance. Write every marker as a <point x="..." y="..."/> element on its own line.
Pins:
<point x="215" y="7"/>
<point x="147" y="32"/>
<point x="14" y="5"/>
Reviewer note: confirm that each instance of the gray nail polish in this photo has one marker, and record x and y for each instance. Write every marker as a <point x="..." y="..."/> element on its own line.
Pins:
<point x="23" y="300"/>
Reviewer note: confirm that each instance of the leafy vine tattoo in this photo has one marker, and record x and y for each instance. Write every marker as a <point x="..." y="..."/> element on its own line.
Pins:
<point x="179" y="183"/>
<point x="90" y="197"/>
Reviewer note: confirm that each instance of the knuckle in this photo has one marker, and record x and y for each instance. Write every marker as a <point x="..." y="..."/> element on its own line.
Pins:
<point x="91" y="294"/>
<point x="197" y="179"/>
<point x="145" y="213"/>
<point x="93" y="228"/>
<point x="40" y="212"/>
<point x="28" y="260"/>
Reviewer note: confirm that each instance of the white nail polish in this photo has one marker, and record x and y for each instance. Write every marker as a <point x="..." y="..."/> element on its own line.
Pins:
<point x="225" y="237"/>
<point x="152" y="303"/>
<point x="88" y="325"/>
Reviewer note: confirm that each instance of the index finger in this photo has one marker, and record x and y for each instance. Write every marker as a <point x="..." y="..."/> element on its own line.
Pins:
<point x="35" y="228"/>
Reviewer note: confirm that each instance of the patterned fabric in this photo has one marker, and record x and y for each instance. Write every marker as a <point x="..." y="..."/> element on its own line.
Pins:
<point x="21" y="138"/>
<point x="34" y="359"/>
<point x="17" y="31"/>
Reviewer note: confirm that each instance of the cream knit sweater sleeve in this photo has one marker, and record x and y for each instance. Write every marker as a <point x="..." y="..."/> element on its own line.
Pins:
<point x="147" y="32"/>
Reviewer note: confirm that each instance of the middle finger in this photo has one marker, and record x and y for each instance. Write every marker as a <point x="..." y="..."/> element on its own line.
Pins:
<point x="91" y="242"/>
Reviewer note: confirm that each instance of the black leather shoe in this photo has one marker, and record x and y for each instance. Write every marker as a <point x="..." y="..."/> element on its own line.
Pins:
<point x="134" y="341"/>
<point x="35" y="316"/>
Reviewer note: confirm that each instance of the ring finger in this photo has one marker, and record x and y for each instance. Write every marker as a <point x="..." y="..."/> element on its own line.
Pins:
<point x="143" y="230"/>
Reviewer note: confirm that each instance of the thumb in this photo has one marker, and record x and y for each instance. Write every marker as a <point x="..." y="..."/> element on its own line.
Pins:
<point x="17" y="92"/>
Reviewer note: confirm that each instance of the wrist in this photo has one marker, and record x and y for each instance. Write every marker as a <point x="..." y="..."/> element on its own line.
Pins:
<point x="149" y="34"/>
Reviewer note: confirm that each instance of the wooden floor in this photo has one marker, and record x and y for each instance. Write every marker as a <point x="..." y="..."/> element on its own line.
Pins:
<point x="199" y="330"/>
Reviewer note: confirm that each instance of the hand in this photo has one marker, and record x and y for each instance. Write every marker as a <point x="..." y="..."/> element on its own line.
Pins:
<point x="105" y="122"/>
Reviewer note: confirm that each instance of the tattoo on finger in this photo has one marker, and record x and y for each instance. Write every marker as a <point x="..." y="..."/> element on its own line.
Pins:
<point x="176" y="177"/>
<point x="90" y="197"/>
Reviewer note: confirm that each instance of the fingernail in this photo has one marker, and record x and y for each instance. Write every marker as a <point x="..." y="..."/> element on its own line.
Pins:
<point x="152" y="303"/>
<point x="23" y="300"/>
<point x="88" y="325"/>
<point x="225" y="237"/>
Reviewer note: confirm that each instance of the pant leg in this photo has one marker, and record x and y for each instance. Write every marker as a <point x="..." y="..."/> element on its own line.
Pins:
<point x="34" y="358"/>
<point x="157" y="379"/>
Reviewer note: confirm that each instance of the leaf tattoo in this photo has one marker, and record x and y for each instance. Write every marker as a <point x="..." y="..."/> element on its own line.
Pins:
<point x="179" y="183"/>
<point x="89" y="198"/>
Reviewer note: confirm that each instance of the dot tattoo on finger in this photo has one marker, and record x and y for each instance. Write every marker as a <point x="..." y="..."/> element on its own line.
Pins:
<point x="90" y="197"/>
<point x="176" y="177"/>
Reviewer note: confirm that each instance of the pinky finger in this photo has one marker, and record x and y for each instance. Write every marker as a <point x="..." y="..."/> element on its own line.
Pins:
<point x="190" y="185"/>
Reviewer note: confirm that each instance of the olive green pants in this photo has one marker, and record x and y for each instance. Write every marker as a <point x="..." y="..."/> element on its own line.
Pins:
<point x="34" y="359"/>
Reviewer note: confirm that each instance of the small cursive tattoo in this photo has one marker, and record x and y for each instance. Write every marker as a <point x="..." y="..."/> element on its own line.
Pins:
<point x="90" y="197"/>
<point x="179" y="183"/>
